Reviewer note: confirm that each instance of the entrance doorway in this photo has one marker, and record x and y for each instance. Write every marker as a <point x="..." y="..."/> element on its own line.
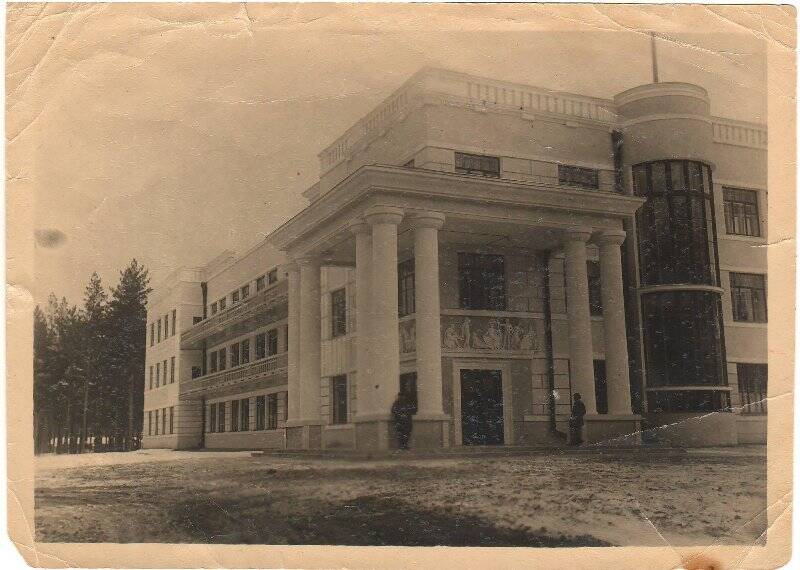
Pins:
<point x="482" y="407"/>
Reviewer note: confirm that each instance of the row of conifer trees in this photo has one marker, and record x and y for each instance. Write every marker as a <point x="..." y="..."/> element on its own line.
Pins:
<point x="89" y="367"/>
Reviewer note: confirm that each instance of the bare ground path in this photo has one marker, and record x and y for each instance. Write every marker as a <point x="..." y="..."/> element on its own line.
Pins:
<point x="701" y="497"/>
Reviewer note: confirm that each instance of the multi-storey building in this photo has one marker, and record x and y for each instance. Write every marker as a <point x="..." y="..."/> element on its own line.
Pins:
<point x="492" y="248"/>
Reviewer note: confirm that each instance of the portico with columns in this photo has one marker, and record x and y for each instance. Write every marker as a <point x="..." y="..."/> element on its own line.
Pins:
<point x="370" y="231"/>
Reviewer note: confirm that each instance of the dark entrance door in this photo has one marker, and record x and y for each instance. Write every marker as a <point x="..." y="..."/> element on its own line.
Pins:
<point x="482" y="407"/>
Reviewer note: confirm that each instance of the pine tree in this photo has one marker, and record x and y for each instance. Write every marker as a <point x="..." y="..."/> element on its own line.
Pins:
<point x="96" y="348"/>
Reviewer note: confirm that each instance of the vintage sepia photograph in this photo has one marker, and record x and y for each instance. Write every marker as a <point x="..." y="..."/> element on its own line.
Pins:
<point x="404" y="276"/>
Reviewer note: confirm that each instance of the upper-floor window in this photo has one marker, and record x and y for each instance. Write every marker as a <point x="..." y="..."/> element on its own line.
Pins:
<point x="481" y="281"/>
<point x="158" y="374"/>
<point x="338" y="312"/>
<point x="196" y="320"/>
<point x="741" y="212"/>
<point x="748" y="297"/>
<point x="261" y="346"/>
<point x="578" y="176"/>
<point x="152" y="334"/>
<point x="477" y="164"/>
<point x="405" y="288"/>
<point x="235" y="355"/>
<point x="752" y="387"/>
<point x="234" y="297"/>
<point x="222" y="358"/>
<point x="214" y="308"/>
<point x="272" y="276"/>
<point x="172" y="370"/>
<point x="339" y="397"/>
<point x="595" y="290"/>
<point x="158" y="328"/>
<point x="174" y="316"/>
<point x="166" y="326"/>
<point x="245" y="348"/>
<point x="151" y="377"/>
<point x="272" y="342"/>
<point x="212" y="361"/>
<point x="222" y="303"/>
<point x="245" y="292"/>
<point x="260" y="283"/>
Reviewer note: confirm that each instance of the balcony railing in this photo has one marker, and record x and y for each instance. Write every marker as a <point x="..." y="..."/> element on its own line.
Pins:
<point x="264" y="368"/>
<point x="261" y="301"/>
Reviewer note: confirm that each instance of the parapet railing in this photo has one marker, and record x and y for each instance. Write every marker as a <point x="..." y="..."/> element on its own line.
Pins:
<point x="262" y="368"/>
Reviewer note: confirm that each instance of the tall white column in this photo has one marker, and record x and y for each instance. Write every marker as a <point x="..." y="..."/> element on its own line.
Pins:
<point x="310" y="326"/>
<point x="581" y="364"/>
<point x="616" y="342"/>
<point x="385" y="337"/>
<point x="293" y="371"/>
<point x="428" y="315"/>
<point x="364" y="386"/>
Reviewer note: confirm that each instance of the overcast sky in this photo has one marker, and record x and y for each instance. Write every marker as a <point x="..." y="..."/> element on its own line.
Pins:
<point x="171" y="132"/>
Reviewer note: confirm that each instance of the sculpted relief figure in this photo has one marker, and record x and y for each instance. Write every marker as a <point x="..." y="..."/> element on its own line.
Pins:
<point x="497" y="335"/>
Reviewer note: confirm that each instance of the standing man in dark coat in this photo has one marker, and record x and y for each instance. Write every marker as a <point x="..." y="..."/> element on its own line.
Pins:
<point x="576" y="420"/>
<point x="402" y="411"/>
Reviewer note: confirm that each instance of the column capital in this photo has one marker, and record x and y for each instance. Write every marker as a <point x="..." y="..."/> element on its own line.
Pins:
<point x="610" y="238"/>
<point x="308" y="260"/>
<point x="291" y="266"/>
<point x="577" y="234"/>
<point x="383" y="215"/>
<point x="433" y="220"/>
<point x="359" y="226"/>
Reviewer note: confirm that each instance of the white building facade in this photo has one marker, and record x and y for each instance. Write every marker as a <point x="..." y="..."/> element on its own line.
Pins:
<point x="491" y="248"/>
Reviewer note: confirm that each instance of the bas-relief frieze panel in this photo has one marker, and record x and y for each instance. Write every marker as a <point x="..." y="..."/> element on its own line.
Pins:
<point x="480" y="334"/>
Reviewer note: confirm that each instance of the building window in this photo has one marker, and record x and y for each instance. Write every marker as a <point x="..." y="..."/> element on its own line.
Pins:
<point x="683" y="339"/>
<point x="234" y="355"/>
<point x="260" y="283"/>
<point x="405" y="288"/>
<point x="595" y="290"/>
<point x="152" y="334"/>
<point x="166" y="326"/>
<point x="221" y="417"/>
<point x="196" y="320"/>
<point x="272" y="411"/>
<point x="234" y="297"/>
<point x="261" y="346"/>
<point x="578" y="176"/>
<point x="234" y="415"/>
<point x="158" y="374"/>
<point x="600" y="387"/>
<point x="245" y="348"/>
<point x="174" y="317"/>
<point x="272" y="342"/>
<point x="212" y="362"/>
<point x="222" y="304"/>
<point x="222" y="360"/>
<point x="172" y="370"/>
<point x="158" y="328"/>
<point x="741" y="212"/>
<point x="212" y="423"/>
<point x="157" y="414"/>
<point x="245" y="292"/>
<point x="260" y="413"/>
<point x="164" y="421"/>
<point x="338" y="313"/>
<point x="339" y="398"/>
<point x="676" y="224"/>
<point x="749" y="297"/>
<point x="165" y="373"/>
<point x="150" y="422"/>
<point x="214" y="308"/>
<point x="244" y="408"/>
<point x="151" y="377"/>
<point x="482" y="282"/>
<point x="196" y="372"/>
<point x="753" y="387"/>
<point x="272" y="276"/>
<point x="477" y="164"/>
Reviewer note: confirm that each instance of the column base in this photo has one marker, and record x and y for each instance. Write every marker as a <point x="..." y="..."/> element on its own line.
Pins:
<point x="431" y="431"/>
<point x="613" y="430"/>
<point x="304" y="436"/>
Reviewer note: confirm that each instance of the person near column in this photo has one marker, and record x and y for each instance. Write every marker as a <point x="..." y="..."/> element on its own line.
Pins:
<point x="402" y="411"/>
<point x="576" y="420"/>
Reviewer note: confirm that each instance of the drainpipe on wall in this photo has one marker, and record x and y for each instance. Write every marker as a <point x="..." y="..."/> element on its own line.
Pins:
<point x="548" y="346"/>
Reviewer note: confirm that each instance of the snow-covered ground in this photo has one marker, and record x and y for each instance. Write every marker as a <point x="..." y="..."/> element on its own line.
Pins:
<point x="700" y="497"/>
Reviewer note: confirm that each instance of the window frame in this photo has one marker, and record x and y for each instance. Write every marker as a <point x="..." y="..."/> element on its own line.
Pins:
<point x="753" y="399"/>
<point x="593" y="274"/>
<point x="271" y="339"/>
<point x="338" y="312"/>
<point x="339" y="399"/>
<point x="731" y="201"/>
<point x="261" y="283"/>
<point x="272" y="276"/>
<point x="474" y="290"/>
<point x="462" y="164"/>
<point x="737" y="298"/>
<point x="406" y="288"/>
<point x="578" y="176"/>
<point x="272" y="411"/>
<point x="261" y="412"/>
<point x="172" y="370"/>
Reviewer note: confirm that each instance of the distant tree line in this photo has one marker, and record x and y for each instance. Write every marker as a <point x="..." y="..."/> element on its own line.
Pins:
<point x="88" y="367"/>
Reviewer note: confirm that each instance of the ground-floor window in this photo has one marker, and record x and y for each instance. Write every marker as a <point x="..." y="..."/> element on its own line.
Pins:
<point x="235" y="415"/>
<point x="171" y="420"/>
<point x="150" y="422"/>
<point x="260" y="413"/>
<point x="221" y="417"/>
<point x="688" y="401"/>
<point x="157" y="421"/>
<point x="272" y="411"/>
<point x="753" y="387"/>
<point x="164" y="421"/>
<point x="600" y="386"/>
<point x="339" y="395"/>
<point x="244" y="407"/>
<point x="212" y="418"/>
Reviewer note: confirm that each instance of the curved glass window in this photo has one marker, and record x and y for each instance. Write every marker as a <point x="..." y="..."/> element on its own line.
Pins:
<point x="676" y="228"/>
<point x="683" y="339"/>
